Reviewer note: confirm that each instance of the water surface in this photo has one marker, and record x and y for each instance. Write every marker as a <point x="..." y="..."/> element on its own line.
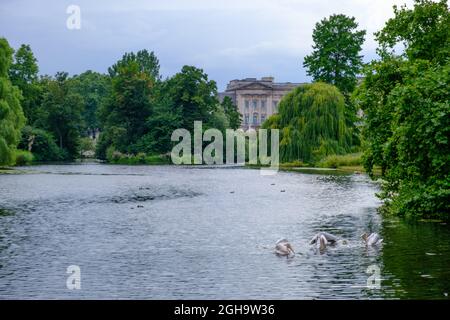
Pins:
<point x="166" y="232"/>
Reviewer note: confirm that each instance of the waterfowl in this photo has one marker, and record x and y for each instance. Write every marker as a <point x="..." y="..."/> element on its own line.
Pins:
<point x="283" y="248"/>
<point x="322" y="239"/>
<point x="373" y="239"/>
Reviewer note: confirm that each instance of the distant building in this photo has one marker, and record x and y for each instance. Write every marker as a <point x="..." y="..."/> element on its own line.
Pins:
<point x="256" y="99"/>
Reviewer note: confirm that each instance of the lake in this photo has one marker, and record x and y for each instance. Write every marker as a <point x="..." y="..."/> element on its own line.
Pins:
<point x="173" y="232"/>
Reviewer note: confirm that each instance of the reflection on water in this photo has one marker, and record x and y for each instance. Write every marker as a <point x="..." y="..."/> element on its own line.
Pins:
<point x="164" y="232"/>
<point x="417" y="259"/>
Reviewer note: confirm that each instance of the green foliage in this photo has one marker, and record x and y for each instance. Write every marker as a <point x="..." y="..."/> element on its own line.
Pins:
<point x="336" y="161"/>
<point x="147" y="63"/>
<point x="335" y="58"/>
<point x="161" y="126"/>
<point x="423" y="30"/>
<point x="193" y="95"/>
<point x="232" y="113"/>
<point x="23" y="158"/>
<point x="406" y="103"/>
<point x="62" y="113"/>
<point x="23" y="73"/>
<point x="293" y="164"/>
<point x="128" y="107"/>
<point x="42" y="144"/>
<point x="312" y="123"/>
<point x="11" y="114"/>
<point x="219" y="119"/>
<point x="116" y="157"/>
<point x="142" y="113"/>
<point x="94" y="88"/>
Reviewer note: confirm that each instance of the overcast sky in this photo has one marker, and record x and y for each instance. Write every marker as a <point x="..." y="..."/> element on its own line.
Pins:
<point x="228" y="39"/>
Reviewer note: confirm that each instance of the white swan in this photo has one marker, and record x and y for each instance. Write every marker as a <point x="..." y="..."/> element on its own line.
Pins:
<point x="373" y="239"/>
<point x="283" y="248"/>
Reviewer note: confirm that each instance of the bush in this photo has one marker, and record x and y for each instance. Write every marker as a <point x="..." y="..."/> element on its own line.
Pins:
<point x="41" y="144"/>
<point x="23" y="158"/>
<point x="335" y="161"/>
<point x="115" y="157"/>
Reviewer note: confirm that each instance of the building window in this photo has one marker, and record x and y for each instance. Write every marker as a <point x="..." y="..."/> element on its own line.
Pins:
<point x="246" y="118"/>
<point x="275" y="106"/>
<point x="263" y="118"/>
<point x="263" y="105"/>
<point x="255" y="104"/>
<point x="247" y="104"/>
<point x="255" y="118"/>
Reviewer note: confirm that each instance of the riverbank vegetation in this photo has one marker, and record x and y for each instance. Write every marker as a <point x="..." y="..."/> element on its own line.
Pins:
<point x="406" y="101"/>
<point x="394" y="120"/>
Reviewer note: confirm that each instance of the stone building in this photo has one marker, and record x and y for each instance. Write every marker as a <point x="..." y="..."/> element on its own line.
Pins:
<point x="255" y="99"/>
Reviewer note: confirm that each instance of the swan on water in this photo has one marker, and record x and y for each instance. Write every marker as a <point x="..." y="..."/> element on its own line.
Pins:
<point x="283" y="248"/>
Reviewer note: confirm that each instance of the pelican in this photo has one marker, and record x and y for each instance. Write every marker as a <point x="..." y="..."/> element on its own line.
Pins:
<point x="283" y="248"/>
<point x="373" y="239"/>
<point x="322" y="239"/>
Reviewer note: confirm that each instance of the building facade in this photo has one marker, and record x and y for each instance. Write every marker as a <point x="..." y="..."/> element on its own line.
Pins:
<point x="256" y="100"/>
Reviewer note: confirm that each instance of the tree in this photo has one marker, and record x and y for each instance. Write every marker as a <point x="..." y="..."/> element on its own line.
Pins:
<point x="424" y="31"/>
<point x="406" y="104"/>
<point x="24" y="74"/>
<point x="219" y="119"/>
<point x="129" y="106"/>
<point x="194" y="95"/>
<point x="11" y="114"/>
<point x="94" y="87"/>
<point x="312" y="123"/>
<point x="335" y="58"/>
<point x="230" y="109"/>
<point x="63" y="113"/>
<point x="165" y="119"/>
<point x="147" y="62"/>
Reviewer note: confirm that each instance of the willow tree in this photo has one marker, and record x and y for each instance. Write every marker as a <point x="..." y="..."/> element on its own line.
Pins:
<point x="11" y="114"/>
<point x="312" y="123"/>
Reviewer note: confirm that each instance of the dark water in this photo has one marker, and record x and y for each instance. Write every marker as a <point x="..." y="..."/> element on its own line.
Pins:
<point x="169" y="232"/>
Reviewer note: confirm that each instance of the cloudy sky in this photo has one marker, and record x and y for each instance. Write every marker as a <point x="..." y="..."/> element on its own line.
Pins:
<point x="229" y="39"/>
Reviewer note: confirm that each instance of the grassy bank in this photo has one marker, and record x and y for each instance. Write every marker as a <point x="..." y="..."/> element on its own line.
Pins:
<point x="333" y="164"/>
<point x="7" y="170"/>
<point x="337" y="161"/>
<point x="115" y="157"/>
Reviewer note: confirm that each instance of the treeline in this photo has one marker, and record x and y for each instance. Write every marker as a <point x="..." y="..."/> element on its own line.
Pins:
<point x="319" y="120"/>
<point x="406" y="102"/>
<point x="398" y="115"/>
<point x="131" y="109"/>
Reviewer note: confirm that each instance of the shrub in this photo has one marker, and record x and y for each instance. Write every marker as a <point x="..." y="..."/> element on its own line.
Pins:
<point x="41" y="144"/>
<point x="335" y="161"/>
<point x="23" y="158"/>
<point x="115" y="157"/>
